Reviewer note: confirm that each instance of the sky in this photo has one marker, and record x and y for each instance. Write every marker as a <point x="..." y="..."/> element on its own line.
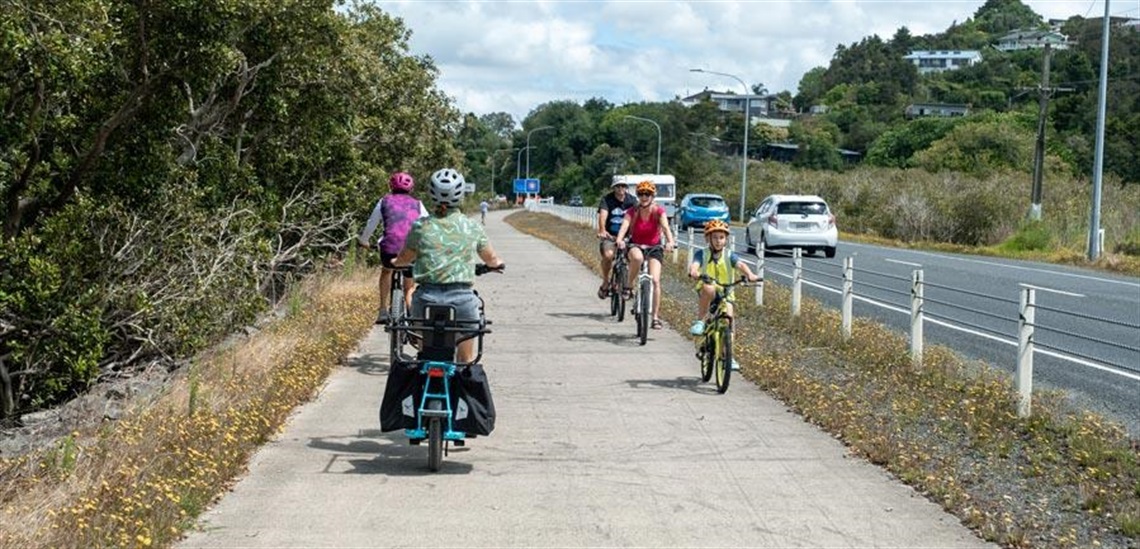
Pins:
<point x="514" y="55"/>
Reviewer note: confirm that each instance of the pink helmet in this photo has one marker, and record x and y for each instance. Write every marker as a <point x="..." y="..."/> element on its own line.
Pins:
<point x="401" y="181"/>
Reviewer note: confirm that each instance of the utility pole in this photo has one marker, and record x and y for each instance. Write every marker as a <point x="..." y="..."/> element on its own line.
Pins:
<point x="1043" y="93"/>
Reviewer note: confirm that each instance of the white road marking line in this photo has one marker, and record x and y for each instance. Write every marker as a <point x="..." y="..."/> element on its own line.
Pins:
<point x="1019" y="267"/>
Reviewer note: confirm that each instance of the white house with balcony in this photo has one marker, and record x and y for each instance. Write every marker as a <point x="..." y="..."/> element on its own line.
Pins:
<point x="1032" y="39"/>
<point x="929" y="61"/>
<point x="759" y="105"/>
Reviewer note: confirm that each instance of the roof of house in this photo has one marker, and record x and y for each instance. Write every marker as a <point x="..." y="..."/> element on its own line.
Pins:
<point x="928" y="54"/>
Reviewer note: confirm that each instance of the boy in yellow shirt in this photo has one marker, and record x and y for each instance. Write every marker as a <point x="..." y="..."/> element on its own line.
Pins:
<point x="718" y="265"/>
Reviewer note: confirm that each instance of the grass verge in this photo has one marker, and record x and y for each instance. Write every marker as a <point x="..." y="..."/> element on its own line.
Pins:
<point x="1061" y="478"/>
<point x="141" y="481"/>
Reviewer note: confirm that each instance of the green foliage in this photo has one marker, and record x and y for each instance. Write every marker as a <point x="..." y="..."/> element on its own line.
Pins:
<point x="979" y="147"/>
<point x="167" y="168"/>
<point x="896" y="147"/>
<point x="1130" y="244"/>
<point x="1030" y="236"/>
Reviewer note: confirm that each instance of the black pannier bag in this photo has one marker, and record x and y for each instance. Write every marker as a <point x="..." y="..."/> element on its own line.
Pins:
<point x="473" y="410"/>
<point x="402" y="395"/>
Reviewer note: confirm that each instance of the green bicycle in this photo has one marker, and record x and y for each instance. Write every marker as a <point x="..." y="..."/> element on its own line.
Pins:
<point x="714" y="348"/>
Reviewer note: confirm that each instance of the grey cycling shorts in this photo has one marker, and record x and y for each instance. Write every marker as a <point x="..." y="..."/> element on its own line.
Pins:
<point x="460" y="296"/>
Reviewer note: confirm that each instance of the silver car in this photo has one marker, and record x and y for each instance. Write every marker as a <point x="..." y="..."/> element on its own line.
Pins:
<point x="793" y="221"/>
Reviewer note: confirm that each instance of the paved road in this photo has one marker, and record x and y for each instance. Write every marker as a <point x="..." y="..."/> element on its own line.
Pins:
<point x="599" y="442"/>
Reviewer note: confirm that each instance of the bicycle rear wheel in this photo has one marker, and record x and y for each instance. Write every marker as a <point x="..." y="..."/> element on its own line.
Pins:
<point x="397" y="338"/>
<point x="644" y="298"/>
<point x="723" y="363"/>
<point x="435" y="438"/>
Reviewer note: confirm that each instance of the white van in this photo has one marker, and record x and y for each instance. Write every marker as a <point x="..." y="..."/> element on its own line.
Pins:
<point x="666" y="189"/>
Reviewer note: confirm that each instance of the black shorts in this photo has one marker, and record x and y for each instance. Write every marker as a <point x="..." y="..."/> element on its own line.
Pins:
<point x="387" y="259"/>
<point x="657" y="253"/>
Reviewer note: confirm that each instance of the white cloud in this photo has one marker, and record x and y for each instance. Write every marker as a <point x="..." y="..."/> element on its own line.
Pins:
<point x="512" y="55"/>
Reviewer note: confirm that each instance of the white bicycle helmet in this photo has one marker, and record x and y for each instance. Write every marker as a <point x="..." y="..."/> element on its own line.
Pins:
<point x="446" y="187"/>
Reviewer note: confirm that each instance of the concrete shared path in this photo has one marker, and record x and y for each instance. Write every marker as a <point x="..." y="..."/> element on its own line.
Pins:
<point x="599" y="443"/>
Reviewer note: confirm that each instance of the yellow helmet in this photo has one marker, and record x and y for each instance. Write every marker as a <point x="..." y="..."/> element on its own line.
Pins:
<point x="646" y="186"/>
<point x="716" y="225"/>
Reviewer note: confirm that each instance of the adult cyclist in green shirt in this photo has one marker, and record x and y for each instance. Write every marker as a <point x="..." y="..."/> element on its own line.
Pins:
<point x="443" y="245"/>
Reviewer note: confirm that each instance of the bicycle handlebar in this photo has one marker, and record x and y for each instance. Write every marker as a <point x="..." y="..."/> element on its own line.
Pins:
<point x="742" y="281"/>
<point x="482" y="269"/>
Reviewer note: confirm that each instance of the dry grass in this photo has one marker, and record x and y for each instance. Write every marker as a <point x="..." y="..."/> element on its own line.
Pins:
<point x="1061" y="478"/>
<point x="140" y="482"/>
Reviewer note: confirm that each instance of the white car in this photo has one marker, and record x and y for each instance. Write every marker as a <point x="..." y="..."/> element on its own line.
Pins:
<point x="793" y="221"/>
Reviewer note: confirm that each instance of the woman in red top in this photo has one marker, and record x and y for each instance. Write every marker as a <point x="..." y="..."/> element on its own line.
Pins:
<point x="644" y="224"/>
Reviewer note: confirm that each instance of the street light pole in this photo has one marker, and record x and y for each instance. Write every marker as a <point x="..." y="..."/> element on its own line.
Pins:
<point x="518" y="162"/>
<point x="528" y="146"/>
<point x="747" y="123"/>
<point x="1098" y="158"/>
<point x="658" y="138"/>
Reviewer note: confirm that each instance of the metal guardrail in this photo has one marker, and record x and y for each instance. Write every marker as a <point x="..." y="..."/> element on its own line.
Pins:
<point x="1022" y="322"/>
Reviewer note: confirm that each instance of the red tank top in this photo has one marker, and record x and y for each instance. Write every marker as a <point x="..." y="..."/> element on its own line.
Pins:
<point x="646" y="230"/>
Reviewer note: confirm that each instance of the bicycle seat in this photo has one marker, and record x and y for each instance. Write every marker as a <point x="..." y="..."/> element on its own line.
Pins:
<point x="438" y="344"/>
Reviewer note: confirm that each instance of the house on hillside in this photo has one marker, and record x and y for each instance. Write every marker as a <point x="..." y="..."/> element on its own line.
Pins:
<point x="943" y="60"/>
<point x="918" y="110"/>
<point x="786" y="152"/>
<point x="1032" y="39"/>
<point x="758" y="105"/>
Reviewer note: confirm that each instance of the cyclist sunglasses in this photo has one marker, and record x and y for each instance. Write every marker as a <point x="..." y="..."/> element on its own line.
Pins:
<point x="645" y="194"/>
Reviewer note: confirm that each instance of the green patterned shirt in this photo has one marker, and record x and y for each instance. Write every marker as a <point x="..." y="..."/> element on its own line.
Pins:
<point x="446" y="248"/>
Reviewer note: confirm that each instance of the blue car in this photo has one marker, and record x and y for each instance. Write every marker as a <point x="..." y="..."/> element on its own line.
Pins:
<point x="699" y="208"/>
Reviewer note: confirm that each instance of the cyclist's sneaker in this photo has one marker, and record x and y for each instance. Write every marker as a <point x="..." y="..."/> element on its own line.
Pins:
<point x="382" y="318"/>
<point x="697" y="328"/>
<point x="604" y="291"/>
<point x="735" y="365"/>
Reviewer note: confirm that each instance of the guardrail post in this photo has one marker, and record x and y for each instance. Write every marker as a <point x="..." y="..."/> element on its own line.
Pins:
<point x="797" y="280"/>
<point x="758" y="291"/>
<point x="732" y="242"/>
<point x="759" y="294"/>
<point x="916" y="318"/>
<point x="848" y="293"/>
<point x="690" y="261"/>
<point x="1024" y="374"/>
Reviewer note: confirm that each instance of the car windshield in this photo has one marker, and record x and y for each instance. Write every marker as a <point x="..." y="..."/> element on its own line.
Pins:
<point x="707" y="202"/>
<point x="802" y="208"/>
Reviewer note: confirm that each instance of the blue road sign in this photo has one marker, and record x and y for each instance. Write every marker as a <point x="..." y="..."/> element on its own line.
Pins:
<point x="527" y="186"/>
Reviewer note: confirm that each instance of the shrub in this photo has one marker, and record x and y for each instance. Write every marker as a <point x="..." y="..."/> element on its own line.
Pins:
<point x="1030" y="236"/>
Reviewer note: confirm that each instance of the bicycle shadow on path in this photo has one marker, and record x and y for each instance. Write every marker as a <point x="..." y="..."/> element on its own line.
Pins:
<point x="691" y="384"/>
<point x="620" y="340"/>
<point x="592" y="316"/>
<point x="372" y="452"/>
<point x="369" y="364"/>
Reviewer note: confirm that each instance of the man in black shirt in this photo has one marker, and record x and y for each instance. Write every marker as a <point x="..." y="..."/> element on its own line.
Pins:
<point x="611" y="211"/>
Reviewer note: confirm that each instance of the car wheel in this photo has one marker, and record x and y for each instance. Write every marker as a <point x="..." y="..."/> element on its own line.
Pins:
<point x="764" y="244"/>
<point x="750" y="247"/>
<point x="829" y="251"/>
